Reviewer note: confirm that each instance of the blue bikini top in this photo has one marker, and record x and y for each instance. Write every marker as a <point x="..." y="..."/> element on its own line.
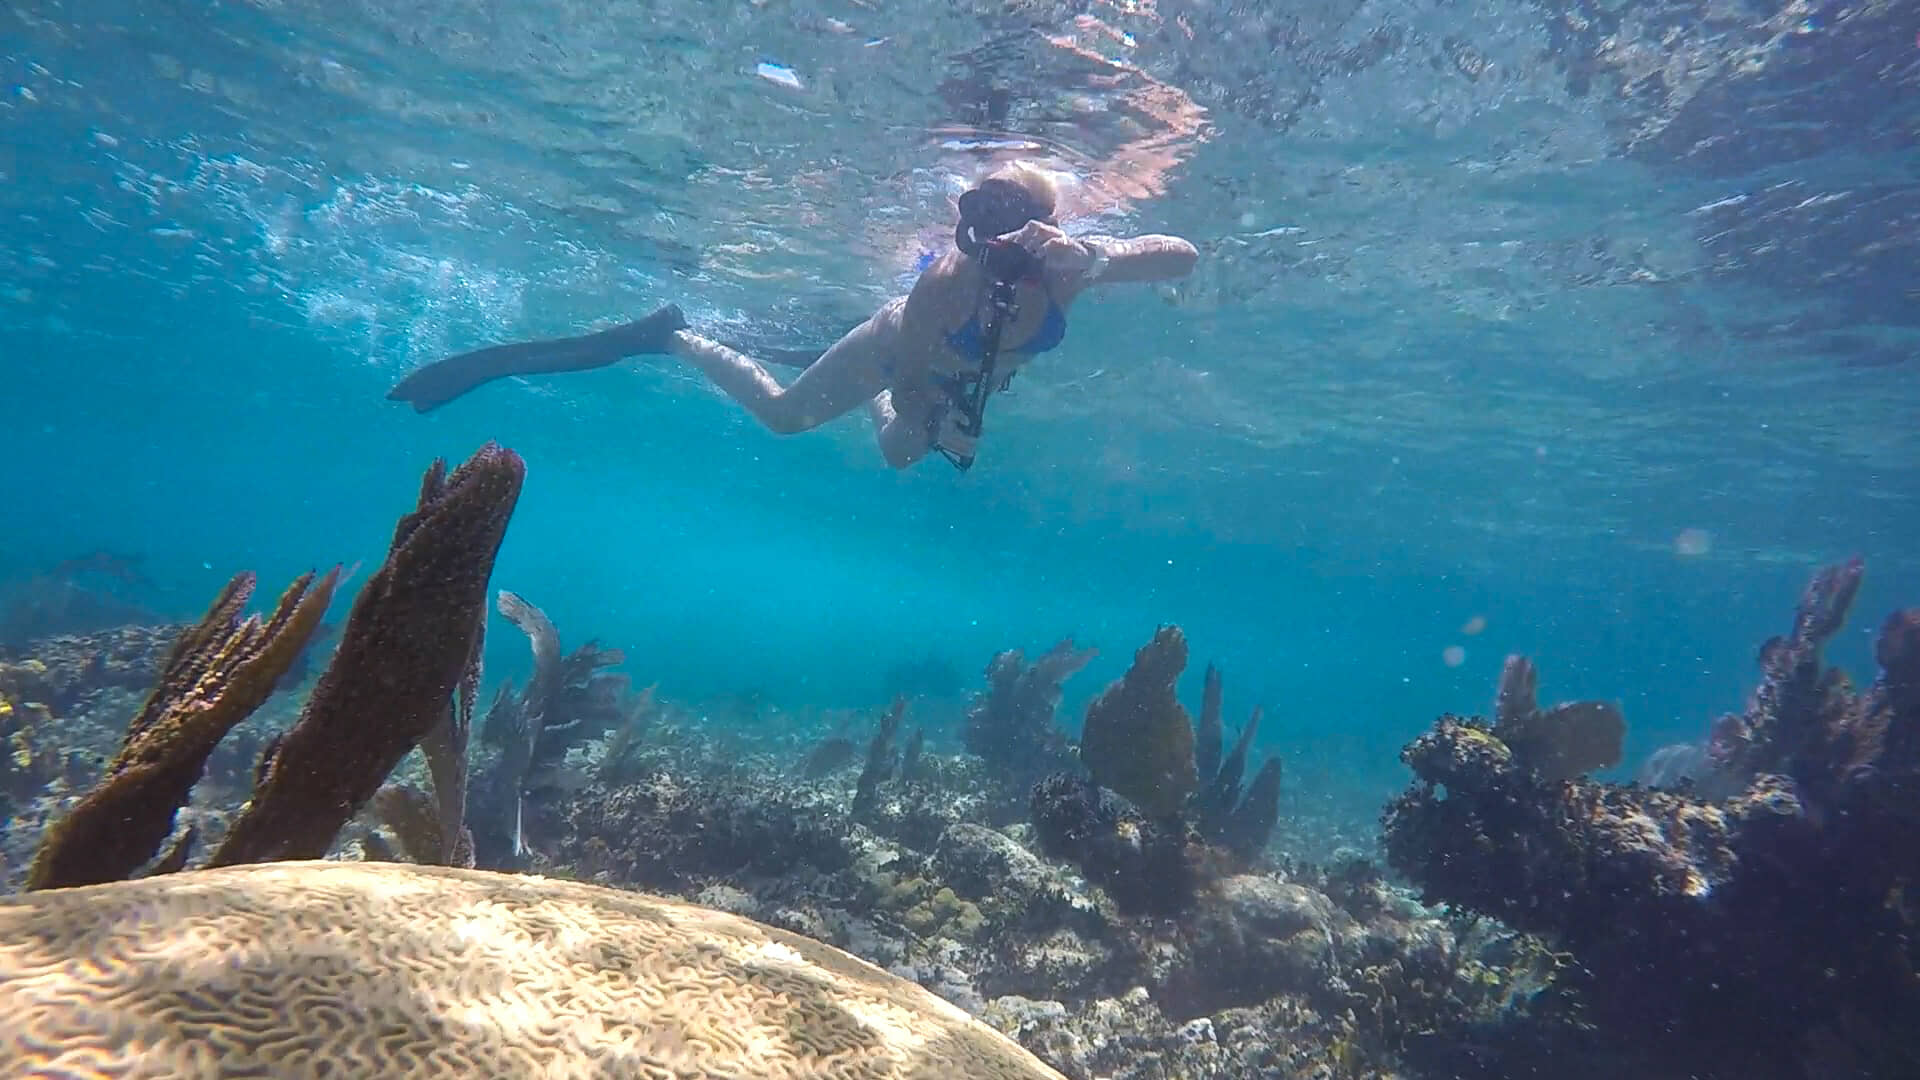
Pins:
<point x="970" y="339"/>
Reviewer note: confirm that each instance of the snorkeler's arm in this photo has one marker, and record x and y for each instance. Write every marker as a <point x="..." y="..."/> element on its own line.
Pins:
<point x="1142" y="258"/>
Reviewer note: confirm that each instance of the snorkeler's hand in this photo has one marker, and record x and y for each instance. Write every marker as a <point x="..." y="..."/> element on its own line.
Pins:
<point x="1060" y="253"/>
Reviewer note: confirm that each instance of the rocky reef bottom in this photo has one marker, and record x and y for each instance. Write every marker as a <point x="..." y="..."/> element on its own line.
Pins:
<point x="1123" y="907"/>
<point x="1296" y="971"/>
<point x="1304" y="971"/>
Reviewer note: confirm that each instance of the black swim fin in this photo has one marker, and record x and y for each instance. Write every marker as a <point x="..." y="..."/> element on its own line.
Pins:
<point x="443" y="380"/>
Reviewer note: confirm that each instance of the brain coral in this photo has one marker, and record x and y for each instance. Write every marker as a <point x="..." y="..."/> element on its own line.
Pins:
<point x="308" y="969"/>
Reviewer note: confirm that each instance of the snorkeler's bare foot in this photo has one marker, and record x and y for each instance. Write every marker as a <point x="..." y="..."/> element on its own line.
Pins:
<point x="444" y="380"/>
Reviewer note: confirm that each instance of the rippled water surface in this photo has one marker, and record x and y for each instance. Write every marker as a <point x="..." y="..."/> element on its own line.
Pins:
<point x="1593" y="320"/>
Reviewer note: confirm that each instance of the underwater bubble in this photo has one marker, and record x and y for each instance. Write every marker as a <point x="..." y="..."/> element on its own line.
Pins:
<point x="1693" y="542"/>
<point x="1474" y="625"/>
<point x="1453" y="655"/>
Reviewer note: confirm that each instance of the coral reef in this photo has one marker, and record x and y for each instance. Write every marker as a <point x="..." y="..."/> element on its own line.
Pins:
<point x="409" y="642"/>
<point x="1571" y="739"/>
<point x="30" y="755"/>
<point x="64" y="673"/>
<point x="1236" y="819"/>
<point x="365" y="970"/>
<point x="1146" y="864"/>
<point x="680" y="827"/>
<point x="1165" y="943"/>
<point x="218" y="672"/>
<point x="881" y="762"/>
<point x="1766" y="933"/>
<point x="1219" y="973"/>
<point x="63" y="708"/>
<point x="1801" y="710"/>
<point x="431" y="826"/>
<point x="535" y="732"/>
<point x="1011" y="725"/>
<point x="1146" y="827"/>
<point x="399" y="662"/>
<point x="1137" y="739"/>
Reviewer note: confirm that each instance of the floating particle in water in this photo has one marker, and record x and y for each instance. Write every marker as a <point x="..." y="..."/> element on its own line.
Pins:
<point x="1474" y="625"/>
<point x="1453" y="655"/>
<point x="775" y="73"/>
<point x="1693" y="542"/>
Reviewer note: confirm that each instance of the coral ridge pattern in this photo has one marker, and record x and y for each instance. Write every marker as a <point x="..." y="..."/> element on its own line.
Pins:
<point x="308" y="969"/>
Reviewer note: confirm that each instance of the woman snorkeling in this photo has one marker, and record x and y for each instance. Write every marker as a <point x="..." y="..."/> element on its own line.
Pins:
<point x="924" y="364"/>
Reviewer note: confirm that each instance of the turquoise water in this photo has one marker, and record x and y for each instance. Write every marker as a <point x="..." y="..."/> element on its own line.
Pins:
<point x="1454" y="349"/>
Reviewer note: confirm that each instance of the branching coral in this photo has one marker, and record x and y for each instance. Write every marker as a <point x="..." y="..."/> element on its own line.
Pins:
<point x="1571" y="739"/>
<point x="1802" y="710"/>
<point x="56" y="695"/>
<point x="569" y="700"/>
<point x="1140" y="743"/>
<point x="1011" y="725"/>
<point x="218" y="673"/>
<point x="407" y="646"/>
<point x="881" y="763"/>
<point x="432" y="827"/>
<point x="1240" y="821"/>
<point x="1766" y="934"/>
<point x="1162" y="802"/>
<point x="376" y="969"/>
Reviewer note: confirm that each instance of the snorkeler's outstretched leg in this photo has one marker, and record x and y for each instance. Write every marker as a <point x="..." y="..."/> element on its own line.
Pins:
<point x="792" y="358"/>
<point x="443" y="380"/>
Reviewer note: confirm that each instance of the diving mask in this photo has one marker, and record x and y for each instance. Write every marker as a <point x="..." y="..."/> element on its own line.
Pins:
<point x="994" y="208"/>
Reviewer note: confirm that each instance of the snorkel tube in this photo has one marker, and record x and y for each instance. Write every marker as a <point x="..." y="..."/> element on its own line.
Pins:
<point x="988" y="212"/>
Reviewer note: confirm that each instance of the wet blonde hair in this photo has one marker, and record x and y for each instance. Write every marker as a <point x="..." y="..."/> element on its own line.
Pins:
<point x="1032" y="179"/>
